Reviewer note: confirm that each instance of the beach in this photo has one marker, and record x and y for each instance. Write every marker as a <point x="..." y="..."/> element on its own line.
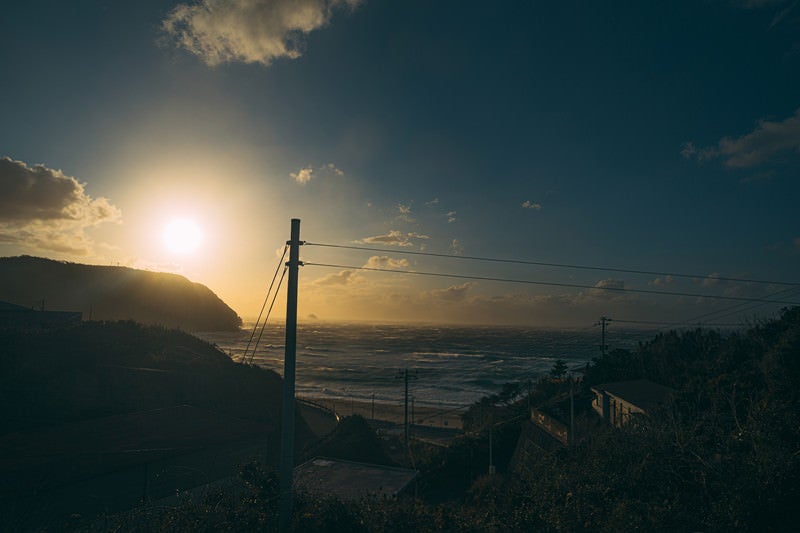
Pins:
<point x="425" y="416"/>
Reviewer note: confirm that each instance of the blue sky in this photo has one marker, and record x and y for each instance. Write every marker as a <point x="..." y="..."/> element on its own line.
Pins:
<point x="654" y="137"/>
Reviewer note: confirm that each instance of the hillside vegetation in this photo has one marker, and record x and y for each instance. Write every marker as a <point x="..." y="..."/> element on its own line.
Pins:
<point x="723" y="456"/>
<point x="114" y="293"/>
<point x="98" y="369"/>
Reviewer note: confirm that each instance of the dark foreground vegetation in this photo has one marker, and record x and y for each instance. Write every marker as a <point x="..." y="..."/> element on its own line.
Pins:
<point x="99" y="416"/>
<point x="724" y="455"/>
<point x="114" y="293"/>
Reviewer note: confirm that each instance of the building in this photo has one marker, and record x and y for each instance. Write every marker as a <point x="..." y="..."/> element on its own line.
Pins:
<point x="617" y="402"/>
<point x="350" y="480"/>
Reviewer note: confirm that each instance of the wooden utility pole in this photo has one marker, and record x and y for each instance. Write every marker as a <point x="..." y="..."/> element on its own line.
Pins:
<point x="602" y="323"/>
<point x="405" y="376"/>
<point x="287" y="415"/>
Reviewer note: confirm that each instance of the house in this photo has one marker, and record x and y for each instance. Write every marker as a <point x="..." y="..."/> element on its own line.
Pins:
<point x="350" y="480"/>
<point x="617" y="402"/>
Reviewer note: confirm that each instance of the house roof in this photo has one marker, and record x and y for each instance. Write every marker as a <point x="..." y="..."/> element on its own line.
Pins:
<point x="349" y="480"/>
<point x="640" y="392"/>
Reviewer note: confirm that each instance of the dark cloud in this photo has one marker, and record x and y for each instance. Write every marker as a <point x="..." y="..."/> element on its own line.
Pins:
<point x="42" y="208"/>
<point x="766" y="142"/>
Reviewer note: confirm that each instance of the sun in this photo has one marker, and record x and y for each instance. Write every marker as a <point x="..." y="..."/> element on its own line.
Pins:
<point x="182" y="236"/>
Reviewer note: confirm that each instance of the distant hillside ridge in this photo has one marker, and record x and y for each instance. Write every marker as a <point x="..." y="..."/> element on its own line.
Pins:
<point x="114" y="293"/>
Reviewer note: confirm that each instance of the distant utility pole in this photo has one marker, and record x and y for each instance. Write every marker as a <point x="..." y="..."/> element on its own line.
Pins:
<point x="491" y="439"/>
<point x="287" y="415"/>
<point x="406" y="376"/>
<point x="602" y="323"/>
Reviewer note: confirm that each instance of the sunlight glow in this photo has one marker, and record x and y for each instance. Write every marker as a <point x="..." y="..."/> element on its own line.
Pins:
<point x="182" y="236"/>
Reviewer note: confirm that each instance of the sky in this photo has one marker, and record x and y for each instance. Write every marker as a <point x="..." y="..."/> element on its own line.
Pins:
<point x="650" y="136"/>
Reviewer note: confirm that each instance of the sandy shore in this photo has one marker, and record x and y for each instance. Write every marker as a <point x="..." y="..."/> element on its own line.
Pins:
<point x="446" y="417"/>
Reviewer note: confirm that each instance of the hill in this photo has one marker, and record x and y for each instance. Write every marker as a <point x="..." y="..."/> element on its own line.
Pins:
<point x="99" y="416"/>
<point x="114" y="293"/>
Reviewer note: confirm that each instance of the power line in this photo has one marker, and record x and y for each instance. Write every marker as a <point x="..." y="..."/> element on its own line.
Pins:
<point x="738" y="308"/>
<point x="659" y="323"/>
<point x="554" y="284"/>
<point x="266" y="299"/>
<point x="264" y="325"/>
<point x="556" y="265"/>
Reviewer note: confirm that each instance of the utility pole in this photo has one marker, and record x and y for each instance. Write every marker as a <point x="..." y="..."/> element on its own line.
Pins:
<point x="571" y="436"/>
<point x="602" y="323"/>
<point x="290" y="353"/>
<point x="491" y="439"/>
<point x="406" y="376"/>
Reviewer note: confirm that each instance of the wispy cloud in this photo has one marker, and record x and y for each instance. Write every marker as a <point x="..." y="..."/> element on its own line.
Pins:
<point x="394" y="238"/>
<point x="303" y="176"/>
<point x="664" y="282"/>
<point x="405" y="213"/>
<point x="527" y="204"/>
<point x="42" y="208"/>
<point x="456" y="247"/>
<point x="339" y="278"/>
<point x="333" y="168"/>
<point x="307" y="173"/>
<point x="607" y="288"/>
<point x="451" y="217"/>
<point x="453" y="293"/>
<point x="766" y="142"/>
<point x="384" y="261"/>
<point x="249" y="31"/>
<point x="433" y="202"/>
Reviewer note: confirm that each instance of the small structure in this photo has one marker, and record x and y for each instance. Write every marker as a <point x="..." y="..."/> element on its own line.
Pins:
<point x="349" y="480"/>
<point x="617" y="402"/>
<point x="17" y="316"/>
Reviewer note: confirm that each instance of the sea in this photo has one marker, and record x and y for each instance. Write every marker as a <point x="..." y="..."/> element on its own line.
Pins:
<point x="448" y="366"/>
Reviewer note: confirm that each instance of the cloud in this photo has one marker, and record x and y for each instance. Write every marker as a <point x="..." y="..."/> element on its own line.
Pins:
<point x="405" y="213"/>
<point x="307" y="173"/>
<point x="456" y="247"/>
<point x="711" y="280"/>
<point x="432" y="203"/>
<point x="527" y="204"/>
<point x="250" y="31"/>
<point x="384" y="261"/>
<point x="394" y="238"/>
<point x="454" y="293"/>
<point x="782" y="14"/>
<point x="303" y="176"/>
<point x="451" y="217"/>
<point x="45" y="209"/>
<point x="766" y="142"/>
<point x="607" y="287"/>
<point x="332" y="168"/>
<point x="340" y="278"/>
<point x="756" y="4"/>
<point x="665" y="281"/>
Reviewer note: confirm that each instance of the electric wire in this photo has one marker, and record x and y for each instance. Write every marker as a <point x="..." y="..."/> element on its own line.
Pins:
<point x="555" y="265"/>
<point x="266" y="299"/>
<point x="553" y="284"/>
<point x="662" y="323"/>
<point x="264" y="325"/>
<point x="738" y="308"/>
